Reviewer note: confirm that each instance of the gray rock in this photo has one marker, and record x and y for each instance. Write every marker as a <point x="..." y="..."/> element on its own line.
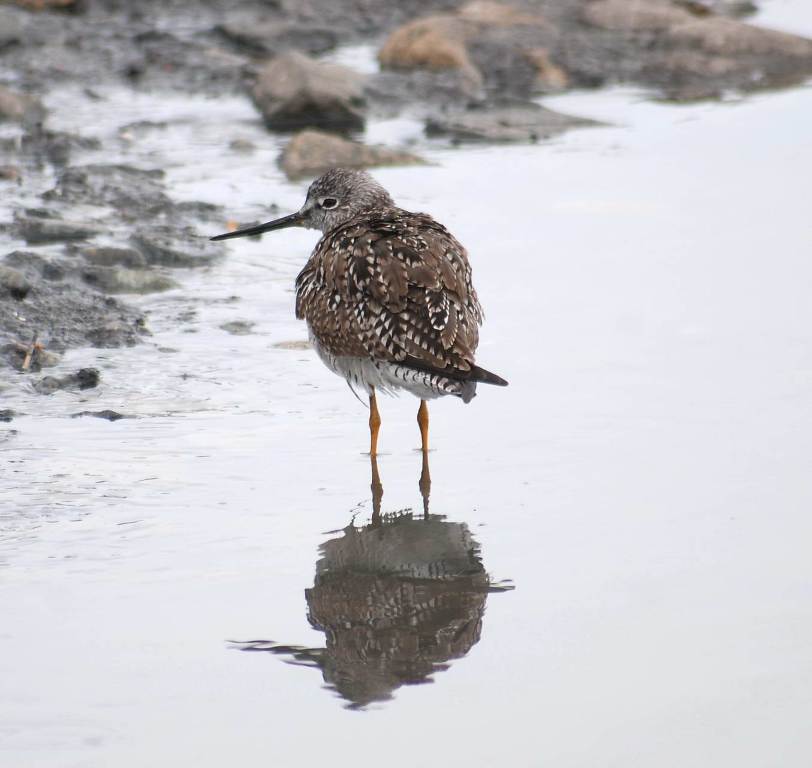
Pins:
<point x="271" y="38"/>
<point x="7" y="414"/>
<point x="690" y="56"/>
<point x="35" y="265"/>
<point x="242" y="145"/>
<point x="238" y="327"/>
<point x="310" y="153"/>
<point x="14" y="283"/>
<point x="113" y="332"/>
<point x="527" y="122"/>
<point x="398" y="90"/>
<point x="64" y="314"/>
<point x="40" y="145"/>
<point x="11" y="28"/>
<point x="111" y="257"/>
<point x="197" y="209"/>
<point x="122" y="280"/>
<point x="103" y="43"/>
<point x="294" y="92"/>
<point x="684" y="48"/>
<point x="105" y="414"/>
<point x="175" y="247"/>
<point x="138" y="46"/>
<point x="133" y="192"/>
<point x="40" y="230"/>
<point x="84" y="378"/>
<point x="488" y="45"/>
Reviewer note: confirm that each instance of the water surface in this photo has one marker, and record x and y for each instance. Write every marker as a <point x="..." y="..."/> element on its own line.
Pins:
<point x="643" y="481"/>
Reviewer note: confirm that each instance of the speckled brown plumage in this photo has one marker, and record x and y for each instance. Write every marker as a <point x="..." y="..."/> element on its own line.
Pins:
<point x="387" y="295"/>
<point x="396" y="287"/>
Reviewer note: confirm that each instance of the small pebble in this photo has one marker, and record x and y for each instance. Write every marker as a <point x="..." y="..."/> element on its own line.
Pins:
<point x="238" y="327"/>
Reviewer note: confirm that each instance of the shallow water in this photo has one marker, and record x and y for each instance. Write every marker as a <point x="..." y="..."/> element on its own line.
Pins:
<point x="643" y="482"/>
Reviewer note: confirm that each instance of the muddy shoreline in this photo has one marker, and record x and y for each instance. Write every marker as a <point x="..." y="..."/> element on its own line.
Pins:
<point x="80" y="232"/>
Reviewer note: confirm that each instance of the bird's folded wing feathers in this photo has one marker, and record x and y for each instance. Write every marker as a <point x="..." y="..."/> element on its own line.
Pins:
<point x="397" y="288"/>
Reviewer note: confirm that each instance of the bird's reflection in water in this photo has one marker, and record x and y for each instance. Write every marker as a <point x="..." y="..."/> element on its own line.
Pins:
<point x="396" y="600"/>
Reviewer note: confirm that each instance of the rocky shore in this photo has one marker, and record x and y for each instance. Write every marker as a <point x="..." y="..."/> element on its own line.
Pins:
<point x="77" y="237"/>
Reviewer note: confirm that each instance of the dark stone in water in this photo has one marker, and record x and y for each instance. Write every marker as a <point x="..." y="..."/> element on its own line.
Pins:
<point x="197" y="209"/>
<point x="175" y="246"/>
<point x="38" y="145"/>
<point x="519" y="122"/>
<point x="40" y="230"/>
<point x="132" y="191"/>
<point x="14" y="283"/>
<point x="238" y="327"/>
<point x="112" y="333"/>
<point x="242" y="145"/>
<point x="40" y="297"/>
<point x="34" y="265"/>
<point x="122" y="280"/>
<point x="310" y="153"/>
<point x="294" y="92"/>
<point x="110" y="257"/>
<point x="105" y="414"/>
<point x="84" y="378"/>
<point x="11" y="28"/>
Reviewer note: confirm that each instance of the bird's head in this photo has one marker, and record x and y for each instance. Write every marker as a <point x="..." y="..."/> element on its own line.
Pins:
<point x="336" y="197"/>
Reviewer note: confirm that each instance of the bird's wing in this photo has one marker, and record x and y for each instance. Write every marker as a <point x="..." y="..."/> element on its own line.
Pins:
<point x="395" y="287"/>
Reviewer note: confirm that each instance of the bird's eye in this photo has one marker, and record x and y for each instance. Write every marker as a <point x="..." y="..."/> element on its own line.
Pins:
<point x="329" y="202"/>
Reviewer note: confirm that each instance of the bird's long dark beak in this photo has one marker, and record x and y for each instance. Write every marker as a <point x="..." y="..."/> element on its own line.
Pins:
<point x="294" y="220"/>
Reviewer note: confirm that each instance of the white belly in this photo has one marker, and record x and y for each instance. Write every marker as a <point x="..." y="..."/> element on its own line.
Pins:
<point x="364" y="373"/>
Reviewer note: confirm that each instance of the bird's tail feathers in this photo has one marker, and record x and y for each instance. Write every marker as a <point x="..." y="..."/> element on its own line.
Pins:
<point x="486" y="377"/>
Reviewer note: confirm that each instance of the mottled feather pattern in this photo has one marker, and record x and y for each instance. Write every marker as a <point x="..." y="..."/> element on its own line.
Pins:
<point x="387" y="294"/>
<point x="395" y="286"/>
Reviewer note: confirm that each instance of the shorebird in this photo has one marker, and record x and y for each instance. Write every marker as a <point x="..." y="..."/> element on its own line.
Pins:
<point x="387" y="296"/>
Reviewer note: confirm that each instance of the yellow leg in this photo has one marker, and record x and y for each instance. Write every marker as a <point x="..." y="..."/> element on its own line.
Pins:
<point x="423" y="421"/>
<point x="374" y="424"/>
<point x="425" y="475"/>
